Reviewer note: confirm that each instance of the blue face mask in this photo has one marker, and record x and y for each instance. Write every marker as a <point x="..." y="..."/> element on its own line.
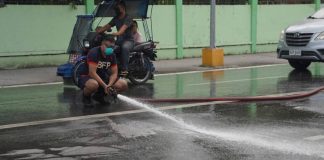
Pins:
<point x="109" y="51"/>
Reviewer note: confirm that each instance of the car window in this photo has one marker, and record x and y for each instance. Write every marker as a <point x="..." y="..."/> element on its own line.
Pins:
<point x="318" y="14"/>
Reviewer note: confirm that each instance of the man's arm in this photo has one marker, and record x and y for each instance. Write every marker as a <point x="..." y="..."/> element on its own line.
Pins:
<point x="107" y="26"/>
<point x="127" y="23"/>
<point x="121" y="30"/>
<point x="93" y="74"/>
<point x="114" y="76"/>
<point x="104" y="28"/>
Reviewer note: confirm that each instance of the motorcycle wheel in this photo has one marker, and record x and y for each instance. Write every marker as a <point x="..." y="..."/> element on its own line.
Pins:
<point x="76" y="71"/>
<point x="139" y="72"/>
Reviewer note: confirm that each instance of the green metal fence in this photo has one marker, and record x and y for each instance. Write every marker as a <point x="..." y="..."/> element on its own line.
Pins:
<point x="158" y="2"/>
<point x="182" y="30"/>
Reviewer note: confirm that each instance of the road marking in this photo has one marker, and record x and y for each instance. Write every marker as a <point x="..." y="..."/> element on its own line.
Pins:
<point x="30" y="85"/>
<point x="197" y="84"/>
<point x="315" y="138"/>
<point x="157" y="75"/>
<point x="60" y="120"/>
<point x="221" y="69"/>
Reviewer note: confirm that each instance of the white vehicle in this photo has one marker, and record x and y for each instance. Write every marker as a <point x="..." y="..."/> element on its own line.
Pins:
<point x="303" y="43"/>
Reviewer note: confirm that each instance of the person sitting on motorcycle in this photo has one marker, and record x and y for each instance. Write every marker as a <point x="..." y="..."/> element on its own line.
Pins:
<point x="138" y="38"/>
<point x="125" y="39"/>
<point x="100" y="61"/>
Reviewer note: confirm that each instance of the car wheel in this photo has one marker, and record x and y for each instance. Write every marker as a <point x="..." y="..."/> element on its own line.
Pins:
<point x="299" y="64"/>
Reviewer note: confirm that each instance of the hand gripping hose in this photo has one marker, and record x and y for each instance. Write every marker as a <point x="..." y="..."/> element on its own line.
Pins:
<point x="291" y="96"/>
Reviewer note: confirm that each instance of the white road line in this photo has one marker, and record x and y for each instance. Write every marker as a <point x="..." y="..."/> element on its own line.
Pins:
<point x="52" y="121"/>
<point x="315" y="138"/>
<point x="197" y="84"/>
<point x="30" y="85"/>
<point x="222" y="69"/>
<point x="157" y="75"/>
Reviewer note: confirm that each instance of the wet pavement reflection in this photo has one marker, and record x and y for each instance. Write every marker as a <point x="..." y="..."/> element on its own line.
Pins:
<point x="263" y="130"/>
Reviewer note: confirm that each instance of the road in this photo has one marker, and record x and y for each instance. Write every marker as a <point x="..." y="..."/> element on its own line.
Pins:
<point x="50" y="121"/>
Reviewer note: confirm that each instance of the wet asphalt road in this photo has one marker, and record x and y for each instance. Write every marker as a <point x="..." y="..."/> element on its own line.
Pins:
<point x="264" y="130"/>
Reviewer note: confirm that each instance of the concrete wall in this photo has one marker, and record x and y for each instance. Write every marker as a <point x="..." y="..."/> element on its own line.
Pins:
<point x="272" y="19"/>
<point x="28" y="29"/>
<point x="43" y="30"/>
<point x="232" y="28"/>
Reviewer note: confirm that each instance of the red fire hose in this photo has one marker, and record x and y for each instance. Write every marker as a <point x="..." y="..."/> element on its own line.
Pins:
<point x="296" y="95"/>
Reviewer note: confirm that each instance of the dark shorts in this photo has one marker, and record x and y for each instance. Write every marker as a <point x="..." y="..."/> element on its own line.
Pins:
<point x="82" y="81"/>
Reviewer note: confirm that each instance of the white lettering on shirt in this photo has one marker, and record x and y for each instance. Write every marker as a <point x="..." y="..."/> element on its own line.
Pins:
<point x="103" y="65"/>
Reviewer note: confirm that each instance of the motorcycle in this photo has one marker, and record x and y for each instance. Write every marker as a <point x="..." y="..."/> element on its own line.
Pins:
<point x="141" y="68"/>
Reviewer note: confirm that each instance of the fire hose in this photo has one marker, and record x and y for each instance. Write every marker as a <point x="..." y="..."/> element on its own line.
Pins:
<point x="291" y="96"/>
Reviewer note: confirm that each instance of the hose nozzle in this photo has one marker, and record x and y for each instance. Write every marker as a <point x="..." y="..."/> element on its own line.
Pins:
<point x="113" y="93"/>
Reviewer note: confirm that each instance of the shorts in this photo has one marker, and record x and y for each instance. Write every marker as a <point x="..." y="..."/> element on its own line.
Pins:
<point x="82" y="80"/>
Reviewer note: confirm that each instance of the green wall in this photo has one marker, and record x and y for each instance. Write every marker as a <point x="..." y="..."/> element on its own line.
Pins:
<point x="196" y="25"/>
<point x="228" y="33"/>
<point x="45" y="30"/>
<point x="273" y="19"/>
<point x="34" y="30"/>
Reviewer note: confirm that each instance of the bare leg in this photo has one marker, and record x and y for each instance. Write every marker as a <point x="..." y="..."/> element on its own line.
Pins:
<point x="91" y="86"/>
<point x="121" y="85"/>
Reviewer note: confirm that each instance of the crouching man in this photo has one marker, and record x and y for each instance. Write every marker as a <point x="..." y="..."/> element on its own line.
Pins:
<point x="102" y="77"/>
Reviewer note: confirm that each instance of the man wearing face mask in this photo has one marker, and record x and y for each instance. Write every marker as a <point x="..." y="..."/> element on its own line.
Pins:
<point x="95" y="79"/>
<point x="125" y="39"/>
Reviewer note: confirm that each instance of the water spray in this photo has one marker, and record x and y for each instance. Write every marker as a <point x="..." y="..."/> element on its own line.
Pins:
<point x="232" y="136"/>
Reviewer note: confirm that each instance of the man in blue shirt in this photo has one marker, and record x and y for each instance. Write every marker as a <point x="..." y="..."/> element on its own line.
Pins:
<point x="101" y="73"/>
<point x="125" y="40"/>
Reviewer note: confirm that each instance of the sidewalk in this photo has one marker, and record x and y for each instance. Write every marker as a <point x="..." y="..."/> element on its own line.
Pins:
<point x="194" y="64"/>
<point x="48" y="74"/>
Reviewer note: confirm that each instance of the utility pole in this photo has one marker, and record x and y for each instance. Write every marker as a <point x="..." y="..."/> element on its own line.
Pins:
<point x="212" y="56"/>
<point x="212" y="24"/>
